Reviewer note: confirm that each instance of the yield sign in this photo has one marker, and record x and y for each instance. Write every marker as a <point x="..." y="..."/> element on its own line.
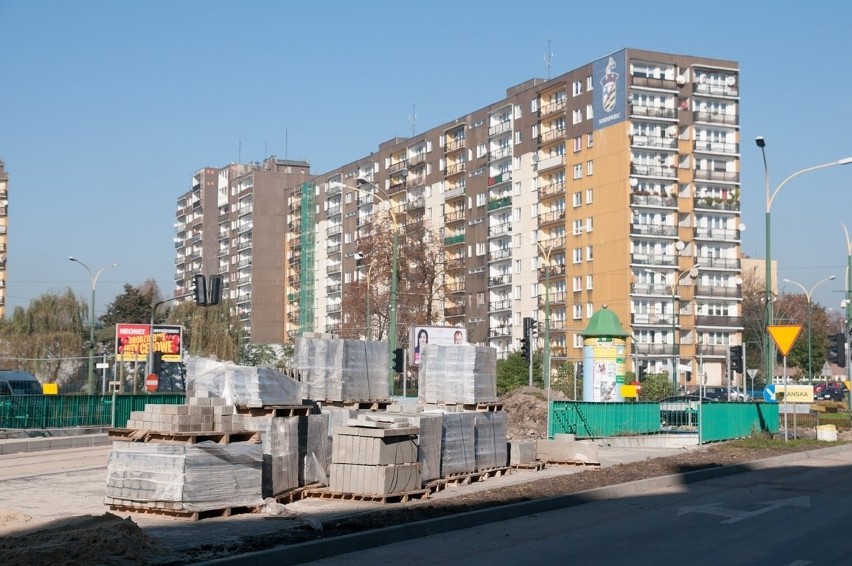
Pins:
<point x="784" y="336"/>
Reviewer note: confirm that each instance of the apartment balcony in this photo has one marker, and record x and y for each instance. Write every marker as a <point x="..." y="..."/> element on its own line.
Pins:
<point x="552" y="189"/>
<point x="717" y="263"/>
<point x="454" y="264"/>
<point x="724" y="176"/>
<point x="551" y="217"/>
<point x="652" y="349"/>
<point x="551" y="162"/>
<point x="653" y="171"/>
<point x="498" y="203"/>
<point x="499" y="255"/>
<point x="714" y="117"/>
<point x="727" y="234"/>
<point x="396" y="167"/>
<point x="334" y="230"/>
<point x="453" y="193"/>
<point x="552" y="271"/>
<point x="416" y="159"/>
<point x="456" y="168"/>
<point x="333" y="267"/>
<point x="454" y="145"/>
<point x="504" y="228"/>
<point x="556" y="134"/>
<point x="498" y="280"/>
<point x="454" y="240"/>
<point x="725" y="90"/>
<point x="652" y="111"/>
<point x="719" y="321"/>
<point x="550" y="108"/>
<point x="712" y="203"/>
<point x="501" y="305"/>
<point x="451" y="312"/>
<point x="333" y="308"/>
<point x="456" y="286"/>
<point x="558" y="325"/>
<point x="657" y="142"/>
<point x="653" y="231"/>
<point x="503" y="177"/>
<point x="395" y="188"/>
<point x="720" y="350"/>
<point x="650" y="82"/>
<point x="717" y="291"/>
<point x="500" y="331"/>
<point x="652" y="319"/>
<point x="653" y="259"/>
<point x="455" y="216"/>
<point x="706" y="146"/>
<point x="332" y="288"/>
<point x="553" y="244"/>
<point x="333" y="328"/>
<point x="500" y="153"/>
<point x="654" y="201"/>
<point x="554" y="297"/>
<point x="650" y="289"/>
<point x="499" y="128"/>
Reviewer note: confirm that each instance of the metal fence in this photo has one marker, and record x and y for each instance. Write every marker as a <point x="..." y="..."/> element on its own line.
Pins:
<point x="67" y="411"/>
<point x="711" y="421"/>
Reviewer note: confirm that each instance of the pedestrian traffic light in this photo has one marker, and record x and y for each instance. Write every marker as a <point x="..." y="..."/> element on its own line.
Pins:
<point x="737" y="359"/>
<point x="200" y="290"/>
<point x="399" y="360"/>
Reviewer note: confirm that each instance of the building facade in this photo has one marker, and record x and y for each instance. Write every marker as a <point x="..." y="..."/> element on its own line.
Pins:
<point x="614" y="184"/>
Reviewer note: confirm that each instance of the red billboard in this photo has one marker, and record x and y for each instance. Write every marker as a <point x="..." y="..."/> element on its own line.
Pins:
<point x="134" y="341"/>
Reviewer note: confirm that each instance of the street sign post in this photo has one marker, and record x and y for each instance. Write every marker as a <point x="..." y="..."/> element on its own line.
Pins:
<point x="784" y="336"/>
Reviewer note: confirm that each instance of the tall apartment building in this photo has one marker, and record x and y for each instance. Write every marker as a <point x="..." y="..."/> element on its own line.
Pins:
<point x="615" y="185"/>
<point x="4" y="214"/>
<point x="231" y="222"/>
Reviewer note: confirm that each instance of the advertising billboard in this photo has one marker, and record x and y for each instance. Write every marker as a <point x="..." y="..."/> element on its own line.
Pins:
<point x="435" y="335"/>
<point x="133" y="341"/>
<point x="609" y="99"/>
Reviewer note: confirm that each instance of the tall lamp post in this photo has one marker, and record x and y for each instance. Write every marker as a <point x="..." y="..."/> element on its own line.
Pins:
<point x="768" y="362"/>
<point x="808" y="295"/>
<point x="392" y="330"/>
<point x="360" y="256"/>
<point x="94" y="278"/>
<point x="847" y="330"/>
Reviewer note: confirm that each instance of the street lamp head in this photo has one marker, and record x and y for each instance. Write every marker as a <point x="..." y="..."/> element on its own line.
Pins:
<point x="72" y="258"/>
<point x="832" y="278"/>
<point x="760" y="141"/>
<point x="845" y="161"/>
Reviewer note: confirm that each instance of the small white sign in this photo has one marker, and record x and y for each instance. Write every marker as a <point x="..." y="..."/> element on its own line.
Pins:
<point x="102" y="365"/>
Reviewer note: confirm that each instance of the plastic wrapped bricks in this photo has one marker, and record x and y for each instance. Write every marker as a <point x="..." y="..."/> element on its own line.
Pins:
<point x="342" y="370"/>
<point x="243" y="386"/>
<point x="458" y="374"/>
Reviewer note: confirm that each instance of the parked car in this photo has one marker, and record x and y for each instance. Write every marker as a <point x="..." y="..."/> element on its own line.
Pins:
<point x="681" y="410"/>
<point x="831" y="392"/>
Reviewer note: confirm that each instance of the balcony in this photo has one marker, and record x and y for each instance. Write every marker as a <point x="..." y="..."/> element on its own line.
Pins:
<point x="454" y="144"/>
<point x="717" y="90"/>
<point x="454" y="263"/>
<point x="450" y="312"/>
<point x="650" y="289"/>
<point x="499" y="331"/>
<point x="504" y="228"/>
<point x="456" y="168"/>
<point x="454" y="240"/>
<point x="652" y="349"/>
<point x="552" y="216"/>
<point x="718" y="263"/>
<point x="716" y="147"/>
<point x="505" y="279"/>
<point x="728" y="234"/>
<point x="651" y="82"/>
<point x="333" y="288"/>
<point x="500" y="153"/>
<point x="720" y="350"/>
<point x="499" y="255"/>
<point x="551" y="189"/>
<point x="713" y="203"/>
<point x="415" y="204"/>
<point x="652" y="319"/>
<point x="496" y="203"/>
<point x="456" y="286"/>
<point x="653" y="259"/>
<point x="640" y="199"/>
<point x="552" y="271"/>
<point x="652" y="111"/>
<point x="550" y="162"/>
<point x="333" y="308"/>
<point x="554" y="297"/>
<point x="552" y="107"/>
<point x="503" y="177"/>
<point x="725" y="176"/>
<point x="455" y="216"/>
<point x="653" y="231"/>
<point x="654" y="141"/>
<point x="555" y="134"/>
<point x="719" y="321"/>
<point x="396" y="167"/>
<point x="416" y="159"/>
<point x="653" y="170"/>
<point x="553" y="243"/>
<point x="499" y="128"/>
<point x="717" y="291"/>
<point x="501" y="305"/>
<point x="714" y="117"/>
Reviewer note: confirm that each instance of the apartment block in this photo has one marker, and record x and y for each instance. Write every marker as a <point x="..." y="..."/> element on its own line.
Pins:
<point x="613" y="185"/>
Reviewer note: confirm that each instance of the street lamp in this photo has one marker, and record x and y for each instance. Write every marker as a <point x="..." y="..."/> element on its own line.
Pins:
<point x="692" y="273"/>
<point x="392" y="330"/>
<point x="768" y="362"/>
<point x="92" y="320"/>
<point x="546" y="351"/>
<point x="360" y="256"/>
<point x="847" y="330"/>
<point x="808" y="295"/>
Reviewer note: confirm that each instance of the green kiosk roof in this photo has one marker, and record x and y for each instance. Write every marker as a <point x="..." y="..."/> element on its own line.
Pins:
<point x="604" y="323"/>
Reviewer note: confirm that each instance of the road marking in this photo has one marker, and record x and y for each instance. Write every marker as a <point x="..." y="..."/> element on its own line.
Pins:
<point x="735" y="515"/>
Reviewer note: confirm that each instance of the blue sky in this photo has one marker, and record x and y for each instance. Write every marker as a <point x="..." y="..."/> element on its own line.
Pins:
<point x="107" y="108"/>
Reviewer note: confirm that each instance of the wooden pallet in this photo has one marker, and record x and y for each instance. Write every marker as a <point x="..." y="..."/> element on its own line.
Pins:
<point x="294" y="494"/>
<point x="574" y="463"/>
<point x="167" y="509"/>
<point x="466" y="478"/>
<point x="275" y="411"/>
<point x="380" y="405"/>
<point x="325" y="493"/>
<point x="536" y="466"/>
<point x="470" y="407"/>
<point x="167" y="437"/>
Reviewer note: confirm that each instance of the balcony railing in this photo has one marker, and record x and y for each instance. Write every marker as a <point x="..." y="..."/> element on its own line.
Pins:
<point x="718" y="233"/>
<point x="652" y="170"/>
<point x="455" y="216"/>
<point x="650" y="289"/>
<point x="651" y="82"/>
<point x="456" y="287"/>
<point x="650" y="230"/>
<point x="456" y="168"/>
<point x="453" y="240"/>
<point x="552" y="161"/>
<point x="504" y="177"/>
<point x="494" y="204"/>
<point x="722" y="321"/>
<point x="499" y="331"/>
<point x="500" y="280"/>
<point x="713" y="203"/>
<point x="454" y="311"/>
<point x="455" y="144"/>
<point x="552" y="107"/>
<point x="727" y="176"/>
<point x="654" y="319"/>
<point x="718" y="262"/>
<point x="654" y="141"/>
<point x="500" y="153"/>
<point x="716" y="147"/>
<point x="499" y="229"/>
<point x="498" y="255"/>
<point x="553" y="135"/>
<point x="552" y="216"/>
<point x="652" y="111"/>
<point x="715" y="117"/>
<point x="499" y="128"/>
<point x="640" y="199"/>
<point x="716" y="291"/>
<point x="551" y="189"/>
<point x="552" y="271"/>
<point x="502" y="305"/>
<point x="653" y="259"/>
<point x="555" y="298"/>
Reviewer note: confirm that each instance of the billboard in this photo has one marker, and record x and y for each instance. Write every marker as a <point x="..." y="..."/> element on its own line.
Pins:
<point x="133" y="341"/>
<point x="609" y="99"/>
<point x="435" y="335"/>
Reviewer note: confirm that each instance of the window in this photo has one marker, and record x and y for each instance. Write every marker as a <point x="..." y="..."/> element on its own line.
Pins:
<point x="590" y="85"/>
<point x="578" y="143"/>
<point x="590" y="221"/>
<point x="517" y="266"/>
<point x="577" y="254"/>
<point x="578" y="171"/>
<point x="578" y="311"/>
<point x="481" y="199"/>
<point x="577" y="199"/>
<point x="590" y="112"/>
<point x="590" y="139"/>
<point x="577" y="88"/>
<point x="590" y="310"/>
<point x="589" y="254"/>
<point x="577" y="227"/>
<point x="518" y="137"/>
<point x="589" y="194"/>
<point x="517" y="111"/>
<point x="577" y="116"/>
<point x="577" y="283"/>
<point x="481" y="150"/>
<point x="480" y="248"/>
<point x="516" y="292"/>
<point x="534" y="105"/>
<point x="589" y="281"/>
<point x="590" y="168"/>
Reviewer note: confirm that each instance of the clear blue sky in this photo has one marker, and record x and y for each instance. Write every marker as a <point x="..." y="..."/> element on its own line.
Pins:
<point x="107" y="108"/>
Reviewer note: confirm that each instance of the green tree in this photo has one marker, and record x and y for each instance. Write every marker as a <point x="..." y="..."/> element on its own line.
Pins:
<point x="656" y="386"/>
<point x="214" y="331"/>
<point x="513" y="372"/>
<point x="48" y="338"/>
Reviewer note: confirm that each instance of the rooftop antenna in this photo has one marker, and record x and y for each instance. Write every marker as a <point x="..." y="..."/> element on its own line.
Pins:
<point x="413" y="120"/>
<point x="548" y="59"/>
<point x="286" y="141"/>
<point x="240" y="151"/>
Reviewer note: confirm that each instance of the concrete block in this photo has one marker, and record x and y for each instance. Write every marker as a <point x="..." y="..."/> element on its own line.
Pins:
<point x="827" y="433"/>
<point x="582" y="451"/>
<point x="374" y="480"/>
<point x="522" y="452"/>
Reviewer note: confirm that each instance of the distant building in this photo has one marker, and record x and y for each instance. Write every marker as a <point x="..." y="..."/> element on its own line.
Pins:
<point x="608" y="185"/>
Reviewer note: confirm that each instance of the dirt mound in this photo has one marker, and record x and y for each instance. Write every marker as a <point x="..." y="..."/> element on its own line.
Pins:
<point x="89" y="539"/>
<point x="526" y="413"/>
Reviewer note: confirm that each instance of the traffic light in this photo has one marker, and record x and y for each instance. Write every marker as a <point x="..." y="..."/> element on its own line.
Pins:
<point x="399" y="360"/>
<point x="737" y="359"/>
<point x="526" y="341"/>
<point x="158" y="363"/>
<point x="837" y="349"/>
<point x="200" y="290"/>
<point x="640" y="372"/>
<point x="215" y="290"/>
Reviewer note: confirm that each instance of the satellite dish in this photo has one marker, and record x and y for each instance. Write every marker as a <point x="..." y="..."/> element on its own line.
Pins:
<point x="680" y="80"/>
<point x="672" y="130"/>
<point x="702" y="79"/>
<point x="634" y="181"/>
<point x="679" y="245"/>
<point x="731" y="81"/>
<point x="742" y="227"/>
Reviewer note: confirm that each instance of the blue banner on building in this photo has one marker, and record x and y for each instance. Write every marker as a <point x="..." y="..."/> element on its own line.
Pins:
<point x="610" y="90"/>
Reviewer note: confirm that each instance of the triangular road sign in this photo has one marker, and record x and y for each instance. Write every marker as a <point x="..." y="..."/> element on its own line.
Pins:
<point x="784" y="335"/>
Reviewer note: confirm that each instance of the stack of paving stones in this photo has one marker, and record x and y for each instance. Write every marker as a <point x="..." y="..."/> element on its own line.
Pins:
<point x="342" y="370"/>
<point x="199" y="414"/>
<point x="375" y="457"/>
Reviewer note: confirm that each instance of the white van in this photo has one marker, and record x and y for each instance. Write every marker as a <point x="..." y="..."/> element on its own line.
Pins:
<point x="18" y="383"/>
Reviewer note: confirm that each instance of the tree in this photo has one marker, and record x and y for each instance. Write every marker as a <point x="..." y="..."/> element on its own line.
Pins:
<point x="48" y="339"/>
<point x="215" y="331"/>
<point x="131" y="307"/>
<point x="656" y="386"/>
<point x="513" y="372"/>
